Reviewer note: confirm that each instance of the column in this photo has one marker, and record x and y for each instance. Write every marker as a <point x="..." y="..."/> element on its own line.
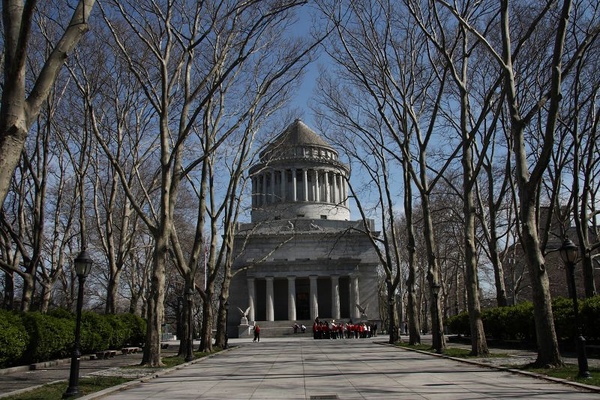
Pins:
<point x="294" y="185"/>
<point x="283" y="175"/>
<point x="270" y="308"/>
<point x="253" y="192"/>
<point x="251" y="301"/>
<point x="263" y="189"/>
<point x="335" y="194"/>
<point x="314" y="301"/>
<point x="272" y="191"/>
<point x="344" y="190"/>
<point x="305" y="180"/>
<point x="335" y="297"/>
<point x="355" y="297"/>
<point x="292" y="298"/>
<point x="327" y="188"/>
<point x="317" y="189"/>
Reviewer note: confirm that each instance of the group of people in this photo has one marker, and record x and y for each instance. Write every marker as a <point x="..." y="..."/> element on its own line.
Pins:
<point x="343" y="330"/>
<point x="299" y="328"/>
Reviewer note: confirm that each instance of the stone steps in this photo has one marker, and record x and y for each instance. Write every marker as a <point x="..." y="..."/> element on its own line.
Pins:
<point x="275" y="328"/>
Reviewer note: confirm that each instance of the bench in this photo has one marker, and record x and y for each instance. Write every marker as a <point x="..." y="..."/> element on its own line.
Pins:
<point x="130" y="350"/>
<point x="102" y="355"/>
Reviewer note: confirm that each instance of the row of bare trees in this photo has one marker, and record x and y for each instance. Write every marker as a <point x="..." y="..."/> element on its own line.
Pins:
<point x="140" y="153"/>
<point x="493" y="103"/>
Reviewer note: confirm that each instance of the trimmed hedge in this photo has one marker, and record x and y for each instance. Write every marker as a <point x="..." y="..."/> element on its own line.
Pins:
<point x="516" y="322"/>
<point x="13" y="338"/>
<point x="50" y="338"/>
<point x="589" y="311"/>
<point x="31" y="337"/>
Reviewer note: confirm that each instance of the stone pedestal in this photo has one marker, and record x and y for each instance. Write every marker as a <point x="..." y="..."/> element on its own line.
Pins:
<point x="244" y="330"/>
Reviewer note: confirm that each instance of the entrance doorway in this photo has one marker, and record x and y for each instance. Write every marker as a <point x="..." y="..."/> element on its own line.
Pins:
<point x="302" y="298"/>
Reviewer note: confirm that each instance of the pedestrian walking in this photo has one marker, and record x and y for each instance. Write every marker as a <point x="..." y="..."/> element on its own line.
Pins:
<point x="256" y="333"/>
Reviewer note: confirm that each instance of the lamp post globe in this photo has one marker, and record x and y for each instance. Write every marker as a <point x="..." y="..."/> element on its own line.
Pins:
<point x="569" y="252"/>
<point x="83" y="266"/>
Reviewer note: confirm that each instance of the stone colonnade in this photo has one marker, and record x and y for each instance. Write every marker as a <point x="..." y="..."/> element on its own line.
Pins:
<point x="299" y="184"/>
<point x="313" y="295"/>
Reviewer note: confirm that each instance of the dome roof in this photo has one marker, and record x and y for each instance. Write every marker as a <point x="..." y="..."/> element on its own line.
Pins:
<point x="297" y="134"/>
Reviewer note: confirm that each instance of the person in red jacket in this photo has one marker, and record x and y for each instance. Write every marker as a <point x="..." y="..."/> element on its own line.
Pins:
<point x="256" y="333"/>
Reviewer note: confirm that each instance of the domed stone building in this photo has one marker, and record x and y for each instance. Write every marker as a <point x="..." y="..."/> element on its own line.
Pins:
<point x="301" y="257"/>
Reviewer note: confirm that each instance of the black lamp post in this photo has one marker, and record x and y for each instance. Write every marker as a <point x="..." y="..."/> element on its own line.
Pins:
<point x="189" y="295"/>
<point x="569" y="253"/>
<point x="226" y="307"/>
<point x="83" y="265"/>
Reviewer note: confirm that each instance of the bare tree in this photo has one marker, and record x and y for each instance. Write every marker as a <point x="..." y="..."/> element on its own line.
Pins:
<point x="20" y="106"/>
<point x="388" y="61"/>
<point x="495" y="215"/>
<point x="532" y="92"/>
<point x="180" y="55"/>
<point x="580" y="127"/>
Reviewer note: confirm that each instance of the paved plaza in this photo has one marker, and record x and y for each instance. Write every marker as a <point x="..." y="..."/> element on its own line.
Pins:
<point x="303" y="368"/>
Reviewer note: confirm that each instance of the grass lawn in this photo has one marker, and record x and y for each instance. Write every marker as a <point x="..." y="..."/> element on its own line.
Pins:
<point x="56" y="390"/>
<point x="569" y="372"/>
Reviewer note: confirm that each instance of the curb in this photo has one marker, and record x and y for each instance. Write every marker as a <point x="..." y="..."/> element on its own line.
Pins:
<point x="33" y="367"/>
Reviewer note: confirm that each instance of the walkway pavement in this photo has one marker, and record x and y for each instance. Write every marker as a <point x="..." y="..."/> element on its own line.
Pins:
<point x="303" y="368"/>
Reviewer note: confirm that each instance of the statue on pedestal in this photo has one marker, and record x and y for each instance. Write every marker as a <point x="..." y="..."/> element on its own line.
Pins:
<point x="244" y="319"/>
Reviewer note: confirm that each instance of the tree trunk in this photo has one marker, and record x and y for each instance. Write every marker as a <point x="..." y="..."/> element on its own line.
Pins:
<point x="433" y="277"/>
<point x="412" y="308"/>
<point x="393" y="325"/>
<point x="9" y="291"/>
<point x="45" y="297"/>
<point x="501" y="300"/>
<point x="112" y="291"/>
<point x="207" y="325"/>
<point x="186" y="340"/>
<point x="28" y="288"/>
<point x="152" y="350"/>
<point x="548" y="351"/>
<point x="478" y="342"/>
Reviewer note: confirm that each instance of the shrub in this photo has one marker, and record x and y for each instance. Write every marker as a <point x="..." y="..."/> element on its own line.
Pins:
<point x="137" y="326"/>
<point x="564" y="318"/>
<point x="459" y="324"/>
<point x="34" y="337"/>
<point x="590" y="317"/>
<point x="50" y="338"/>
<point x="520" y="324"/>
<point x="503" y="323"/>
<point x="13" y="339"/>
<point x="96" y="332"/>
<point x="495" y="323"/>
<point x="62" y="313"/>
